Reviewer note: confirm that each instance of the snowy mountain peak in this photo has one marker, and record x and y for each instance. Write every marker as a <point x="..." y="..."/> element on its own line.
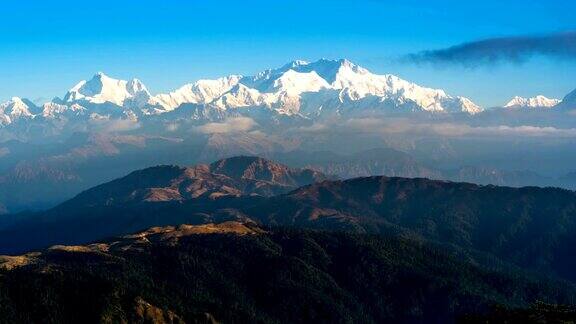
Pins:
<point x="17" y="106"/>
<point x="311" y="87"/>
<point x="104" y="89"/>
<point x="306" y="89"/>
<point x="54" y="109"/>
<point x="18" y="103"/>
<point x="293" y="82"/>
<point x="357" y="83"/>
<point x="135" y="86"/>
<point x="344" y="63"/>
<point x="239" y="96"/>
<point x="468" y="106"/>
<point x="534" y="102"/>
<point x="201" y="91"/>
<point x="15" y="109"/>
<point x="325" y="68"/>
<point x="294" y="64"/>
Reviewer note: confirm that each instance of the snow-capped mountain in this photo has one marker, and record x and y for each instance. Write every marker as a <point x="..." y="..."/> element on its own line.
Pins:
<point x="534" y="102"/>
<point x="103" y="89"/>
<point x="302" y="89"/>
<point x="54" y="110"/>
<point x="199" y="92"/>
<point x="16" y="109"/>
<point x="310" y="89"/>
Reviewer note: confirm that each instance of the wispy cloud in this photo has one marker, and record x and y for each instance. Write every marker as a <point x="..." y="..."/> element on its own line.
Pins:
<point x="172" y="127"/>
<point x="505" y="49"/>
<point x="107" y="125"/>
<point x="230" y="125"/>
<point x="396" y="126"/>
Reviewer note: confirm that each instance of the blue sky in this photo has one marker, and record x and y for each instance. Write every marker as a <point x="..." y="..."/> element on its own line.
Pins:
<point x="46" y="47"/>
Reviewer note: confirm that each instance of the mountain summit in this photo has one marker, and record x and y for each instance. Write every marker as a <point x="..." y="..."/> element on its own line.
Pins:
<point x="534" y="102"/>
<point x="236" y="176"/>
<point x="15" y="109"/>
<point x="310" y="90"/>
<point x="104" y="89"/>
<point x="324" y="89"/>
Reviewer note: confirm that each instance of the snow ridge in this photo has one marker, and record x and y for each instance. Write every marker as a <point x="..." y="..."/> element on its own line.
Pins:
<point x="534" y="102"/>
<point x="299" y="88"/>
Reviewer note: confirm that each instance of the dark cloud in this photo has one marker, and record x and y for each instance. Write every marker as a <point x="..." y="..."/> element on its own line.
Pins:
<point x="499" y="50"/>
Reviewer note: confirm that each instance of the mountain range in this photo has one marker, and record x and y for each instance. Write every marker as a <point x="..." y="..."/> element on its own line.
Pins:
<point x="308" y="90"/>
<point x="304" y="95"/>
<point x="534" y="102"/>
<point x="317" y="115"/>
<point x="299" y="88"/>
<point x="531" y="227"/>
<point x="321" y="89"/>
<point x="251" y="232"/>
<point x="230" y="177"/>
<point x="47" y="176"/>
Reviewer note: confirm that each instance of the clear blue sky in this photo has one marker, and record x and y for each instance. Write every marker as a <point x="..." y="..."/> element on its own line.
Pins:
<point x="47" y="46"/>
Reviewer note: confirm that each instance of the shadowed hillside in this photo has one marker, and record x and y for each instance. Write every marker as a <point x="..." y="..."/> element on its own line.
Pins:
<point x="530" y="227"/>
<point x="239" y="273"/>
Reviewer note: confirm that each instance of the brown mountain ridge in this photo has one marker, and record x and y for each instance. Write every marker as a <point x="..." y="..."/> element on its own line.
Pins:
<point x="531" y="227"/>
<point x="236" y="176"/>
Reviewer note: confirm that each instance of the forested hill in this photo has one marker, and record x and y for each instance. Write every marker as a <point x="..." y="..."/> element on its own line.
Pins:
<point x="240" y="273"/>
